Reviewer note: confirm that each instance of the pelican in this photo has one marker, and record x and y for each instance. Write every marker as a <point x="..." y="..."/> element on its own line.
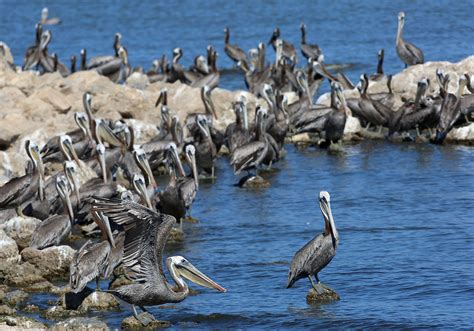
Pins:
<point x="206" y="150"/>
<point x="378" y="75"/>
<point x="237" y="133"/>
<point x="118" y="69"/>
<point x="189" y="186"/>
<point x="317" y="253"/>
<point x="20" y="189"/>
<point x="309" y="51"/>
<point x="53" y="230"/>
<point x="48" y="21"/>
<point x="407" y="52"/>
<point x="146" y="233"/>
<point x="336" y="121"/>
<point x="288" y="51"/>
<point x="235" y="53"/>
<point x="100" y="61"/>
<point x="90" y="261"/>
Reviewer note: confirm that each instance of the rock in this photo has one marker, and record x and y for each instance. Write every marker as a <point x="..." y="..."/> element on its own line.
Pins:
<point x="100" y="301"/>
<point x="462" y="134"/>
<point x="255" y="182"/>
<point x="327" y="296"/>
<point x="352" y="125"/>
<point x="8" y="250"/>
<point x="20" y="275"/>
<point x="31" y="309"/>
<point x="20" y="323"/>
<point x="138" y="80"/>
<point x="20" y="229"/>
<point x="43" y="286"/>
<point x="131" y="323"/>
<point x="7" y="138"/>
<point x="59" y="312"/>
<point x="11" y="165"/>
<point x="301" y="138"/>
<point x="52" y="262"/>
<point x="71" y="300"/>
<point x="80" y="323"/>
<point x="143" y="132"/>
<point x="119" y="278"/>
<point x="15" y="298"/>
<point x="176" y="236"/>
<point x="54" y="98"/>
<point x="7" y="310"/>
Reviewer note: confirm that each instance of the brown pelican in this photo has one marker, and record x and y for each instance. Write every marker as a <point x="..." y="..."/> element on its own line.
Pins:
<point x="235" y="53"/>
<point x="73" y="64"/>
<point x="378" y="75"/>
<point x="407" y="52"/>
<point x="206" y="150"/>
<point x="317" y="253"/>
<point x="32" y="53"/>
<point x="48" y="21"/>
<point x="237" y="133"/>
<point x="20" y="189"/>
<point x="100" y="61"/>
<point x="118" y="69"/>
<point x="189" y="186"/>
<point x="146" y="233"/>
<point x="288" y="50"/>
<point x="53" y="230"/>
<point x="309" y="51"/>
<point x="212" y="79"/>
<point x="90" y="261"/>
<point x="177" y="70"/>
<point x="336" y="121"/>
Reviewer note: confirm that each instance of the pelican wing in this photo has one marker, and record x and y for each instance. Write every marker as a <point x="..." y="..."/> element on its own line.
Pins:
<point x="248" y="155"/>
<point x="415" y="52"/>
<point x="146" y="233"/>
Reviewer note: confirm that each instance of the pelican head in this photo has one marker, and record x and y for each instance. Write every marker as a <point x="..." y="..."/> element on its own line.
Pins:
<point x="191" y="158"/>
<point x="325" y="205"/>
<point x="142" y="161"/>
<point x="207" y="100"/>
<point x="180" y="267"/>
<point x="172" y="151"/>
<point x="45" y="39"/>
<point x="123" y="54"/>
<point x="103" y="223"/>
<point x="64" y="190"/>
<point x="44" y="14"/>
<point x="67" y="148"/>
<point x="33" y="152"/>
<point x="302" y="26"/>
<point x="70" y="170"/>
<point x="140" y="187"/>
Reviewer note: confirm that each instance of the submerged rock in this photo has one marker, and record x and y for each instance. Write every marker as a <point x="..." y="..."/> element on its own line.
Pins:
<point x="52" y="262"/>
<point x="176" y="235"/>
<point x="100" y="301"/>
<point x="21" y="229"/>
<point x="327" y="296"/>
<point x="131" y="323"/>
<point x="252" y="181"/>
<point x="80" y="323"/>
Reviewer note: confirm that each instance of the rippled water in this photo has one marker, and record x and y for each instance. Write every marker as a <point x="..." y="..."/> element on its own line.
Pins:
<point x="404" y="211"/>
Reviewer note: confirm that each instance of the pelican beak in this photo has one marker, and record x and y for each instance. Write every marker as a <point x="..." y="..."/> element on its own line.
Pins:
<point x="325" y="205"/>
<point x="213" y="108"/>
<point x="70" y="171"/>
<point x="72" y="152"/>
<point x="35" y="153"/>
<point x="142" y="161"/>
<point x="190" y="272"/>
<point x="139" y="186"/>
<point x="178" y="162"/>
<point x="103" y="223"/>
<point x="63" y="190"/>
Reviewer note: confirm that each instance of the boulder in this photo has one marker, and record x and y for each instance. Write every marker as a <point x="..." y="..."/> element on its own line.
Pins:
<point x="8" y="250"/>
<point x="462" y="134"/>
<point x="80" y="323"/>
<point x="131" y="323"/>
<point x="20" y="275"/>
<point x="6" y="53"/>
<point x="53" y="97"/>
<point x="138" y="81"/>
<point x="7" y="310"/>
<point x="21" y="229"/>
<point x="59" y="312"/>
<point x="51" y="262"/>
<point x="20" y="323"/>
<point x="327" y="296"/>
<point x="100" y="301"/>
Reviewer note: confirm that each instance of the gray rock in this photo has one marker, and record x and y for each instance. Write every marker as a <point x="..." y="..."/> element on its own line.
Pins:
<point x="131" y="323"/>
<point x="20" y="229"/>
<point x="327" y="296"/>
<point x="100" y="301"/>
<point x="8" y="250"/>
<point x="20" y="275"/>
<point x="20" y="323"/>
<point x="80" y="323"/>
<point x="59" y="312"/>
<point x="15" y="298"/>
<point x="7" y="310"/>
<point x="52" y="262"/>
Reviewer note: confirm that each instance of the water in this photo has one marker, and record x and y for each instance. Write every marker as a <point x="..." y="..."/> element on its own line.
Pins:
<point x="404" y="211"/>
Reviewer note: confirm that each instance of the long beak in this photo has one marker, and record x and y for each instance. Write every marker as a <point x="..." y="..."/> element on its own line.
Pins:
<point x="103" y="166"/>
<point x="145" y="166"/>
<point x="190" y="272"/>
<point x="327" y="212"/>
<point x="40" y="169"/>
<point x="103" y="223"/>
<point x="195" y="171"/>
<point x="139" y="186"/>
<point x="105" y="133"/>
<point x="73" y="181"/>
<point x="72" y="151"/>
<point x="178" y="163"/>
<point x="213" y="109"/>
<point x="64" y="194"/>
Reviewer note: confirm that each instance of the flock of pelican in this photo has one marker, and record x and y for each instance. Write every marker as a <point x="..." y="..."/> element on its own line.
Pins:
<point x="122" y="198"/>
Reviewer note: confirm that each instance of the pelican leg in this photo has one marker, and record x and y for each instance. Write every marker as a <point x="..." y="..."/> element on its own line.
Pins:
<point x="270" y="165"/>
<point x="97" y="285"/>
<point x="212" y="172"/>
<point x="317" y="287"/>
<point x="144" y="319"/>
<point x="380" y="128"/>
<point x="367" y="126"/>
<point x="467" y="119"/>
<point x="19" y="211"/>
<point x="418" y="131"/>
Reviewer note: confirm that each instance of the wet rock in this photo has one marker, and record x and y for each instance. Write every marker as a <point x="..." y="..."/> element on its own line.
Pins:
<point x="7" y="310"/>
<point x="138" y="80"/>
<point x="327" y="296"/>
<point x="31" y="309"/>
<point x="100" y="301"/>
<point x="8" y="250"/>
<point x="301" y="138"/>
<point x="15" y="298"/>
<point x="119" y="278"/>
<point x="352" y="125"/>
<point x="43" y="286"/>
<point x="52" y="262"/>
<point x="20" y="323"/>
<point x="59" y="312"/>
<point x="176" y="235"/>
<point x="80" y="323"/>
<point x="131" y="323"/>
<point x="21" y="229"/>
<point x="255" y="182"/>
<point x="71" y="300"/>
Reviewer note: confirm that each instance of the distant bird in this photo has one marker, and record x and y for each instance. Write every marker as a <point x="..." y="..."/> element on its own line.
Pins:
<point x="288" y="51"/>
<point x="378" y="75"/>
<point x="48" y="21"/>
<point x="309" y="51"/>
<point x="146" y="233"/>
<point x="407" y="52"/>
<point x="316" y="254"/>
<point x="233" y="51"/>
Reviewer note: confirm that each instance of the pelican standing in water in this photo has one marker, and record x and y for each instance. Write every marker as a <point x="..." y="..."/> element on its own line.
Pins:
<point x="317" y="253"/>
<point x="407" y="52"/>
<point x="146" y="233"/>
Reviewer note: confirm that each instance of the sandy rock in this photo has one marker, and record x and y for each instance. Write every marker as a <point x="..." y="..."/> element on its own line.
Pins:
<point x="100" y="301"/>
<point x="465" y="133"/>
<point x="131" y="323"/>
<point x="54" y="98"/>
<point x="52" y="262"/>
<point x="301" y="138"/>
<point x="21" y="229"/>
<point x="7" y="310"/>
<point x="143" y="131"/>
<point x="20" y="323"/>
<point x="327" y="296"/>
<point x="8" y="250"/>
<point x="15" y="298"/>
<point x="20" y="275"/>
<point x="59" y="312"/>
<point x="138" y="80"/>
<point x="80" y="323"/>
<point x="352" y="125"/>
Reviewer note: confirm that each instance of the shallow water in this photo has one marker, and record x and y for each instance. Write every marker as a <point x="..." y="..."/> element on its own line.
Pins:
<point x="404" y="211"/>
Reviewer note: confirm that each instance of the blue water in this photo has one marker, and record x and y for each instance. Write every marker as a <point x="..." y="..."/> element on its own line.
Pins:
<point x="404" y="211"/>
